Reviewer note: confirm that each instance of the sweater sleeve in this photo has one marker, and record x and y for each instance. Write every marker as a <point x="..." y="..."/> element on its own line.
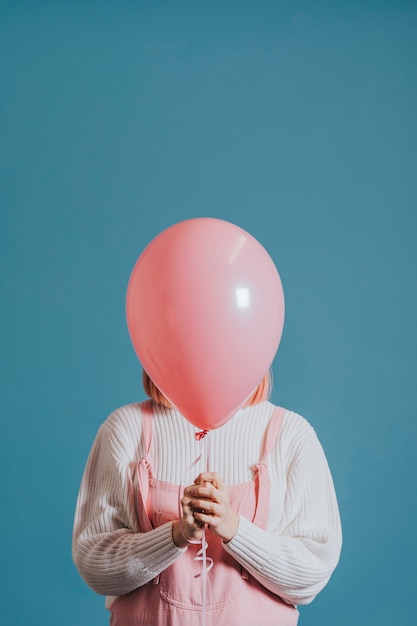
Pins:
<point x="296" y="560"/>
<point x="111" y="553"/>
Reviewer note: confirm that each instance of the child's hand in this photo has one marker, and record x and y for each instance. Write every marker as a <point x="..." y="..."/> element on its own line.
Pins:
<point x="209" y="501"/>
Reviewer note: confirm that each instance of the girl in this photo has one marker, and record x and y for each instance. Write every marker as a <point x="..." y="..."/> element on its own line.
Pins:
<point x="268" y="504"/>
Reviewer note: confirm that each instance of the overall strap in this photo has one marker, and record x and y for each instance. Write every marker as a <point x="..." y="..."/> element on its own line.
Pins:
<point x="147" y="423"/>
<point x="272" y="432"/>
<point x="263" y="483"/>
<point x="144" y="468"/>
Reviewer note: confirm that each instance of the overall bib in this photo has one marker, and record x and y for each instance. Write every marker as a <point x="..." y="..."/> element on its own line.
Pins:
<point x="174" y="598"/>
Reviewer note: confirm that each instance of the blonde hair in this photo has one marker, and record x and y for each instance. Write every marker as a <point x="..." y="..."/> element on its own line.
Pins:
<point x="261" y="393"/>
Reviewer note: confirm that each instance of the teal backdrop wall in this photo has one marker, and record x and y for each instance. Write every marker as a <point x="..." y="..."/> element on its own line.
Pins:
<point x="296" y="121"/>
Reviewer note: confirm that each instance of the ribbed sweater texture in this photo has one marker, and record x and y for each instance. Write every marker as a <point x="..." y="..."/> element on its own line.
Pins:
<point x="293" y="557"/>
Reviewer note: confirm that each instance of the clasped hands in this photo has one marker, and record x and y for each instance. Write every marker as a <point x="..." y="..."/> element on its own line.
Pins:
<point x="206" y="502"/>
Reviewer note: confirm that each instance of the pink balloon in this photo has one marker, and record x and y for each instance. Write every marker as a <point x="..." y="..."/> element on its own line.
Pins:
<point x="205" y="312"/>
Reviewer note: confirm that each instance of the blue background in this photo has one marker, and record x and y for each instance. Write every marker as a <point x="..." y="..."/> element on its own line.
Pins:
<point x="296" y="121"/>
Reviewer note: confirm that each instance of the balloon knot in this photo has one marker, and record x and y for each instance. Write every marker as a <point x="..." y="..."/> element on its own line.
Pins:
<point x="201" y="434"/>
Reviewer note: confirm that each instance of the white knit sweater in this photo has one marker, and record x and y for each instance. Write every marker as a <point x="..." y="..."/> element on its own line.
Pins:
<point x="294" y="557"/>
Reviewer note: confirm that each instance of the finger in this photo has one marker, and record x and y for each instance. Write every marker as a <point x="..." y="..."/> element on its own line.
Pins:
<point x="199" y="492"/>
<point x="188" y="511"/>
<point x="210" y="518"/>
<point x="190" y="523"/>
<point x="188" y="489"/>
<point x="209" y="493"/>
<point x="206" y="507"/>
<point x="211" y="477"/>
<point x="204" y="517"/>
<point x="205" y="493"/>
<point x="185" y="502"/>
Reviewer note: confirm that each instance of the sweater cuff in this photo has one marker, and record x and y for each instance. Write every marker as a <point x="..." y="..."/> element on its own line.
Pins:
<point x="160" y="551"/>
<point x="250" y="545"/>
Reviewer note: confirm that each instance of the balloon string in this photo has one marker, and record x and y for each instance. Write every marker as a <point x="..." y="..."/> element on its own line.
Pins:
<point x="207" y="562"/>
<point x="202" y="556"/>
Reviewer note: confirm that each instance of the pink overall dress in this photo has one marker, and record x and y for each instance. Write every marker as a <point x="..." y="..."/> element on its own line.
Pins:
<point x="174" y="598"/>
